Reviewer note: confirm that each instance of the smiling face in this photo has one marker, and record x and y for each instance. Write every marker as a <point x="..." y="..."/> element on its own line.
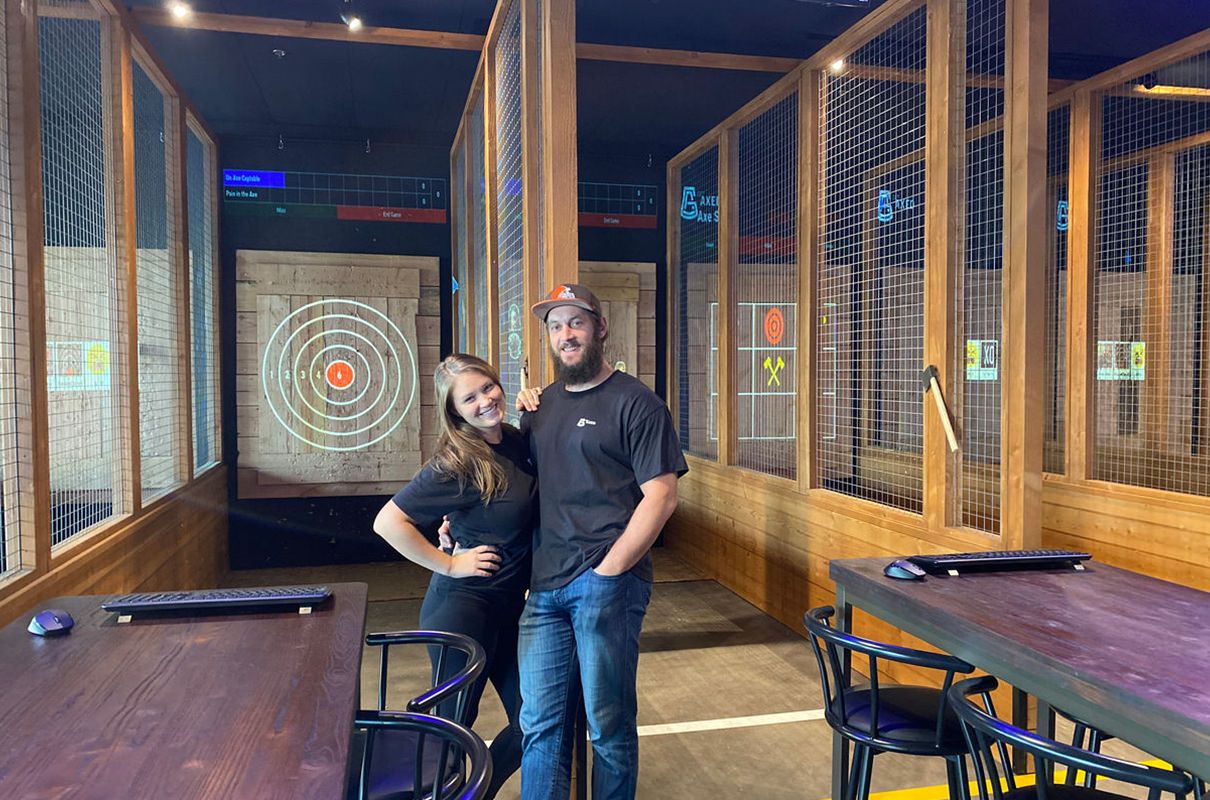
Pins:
<point x="479" y="400"/>
<point x="576" y="343"/>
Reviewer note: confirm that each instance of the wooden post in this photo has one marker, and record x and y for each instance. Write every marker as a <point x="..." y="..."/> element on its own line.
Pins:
<point x="121" y="237"/>
<point x="1082" y="194"/>
<point x="1025" y="266"/>
<point x="492" y="283"/>
<point x="532" y="276"/>
<point x="1157" y="315"/>
<point x="561" y="228"/>
<point x="944" y="218"/>
<point x="728" y="240"/>
<point x="25" y="112"/>
<point x="176" y="146"/>
<point x="672" y="217"/>
<point x="810" y="223"/>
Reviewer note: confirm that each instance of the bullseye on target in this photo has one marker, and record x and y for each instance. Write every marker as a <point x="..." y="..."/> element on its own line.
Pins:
<point x="338" y="374"/>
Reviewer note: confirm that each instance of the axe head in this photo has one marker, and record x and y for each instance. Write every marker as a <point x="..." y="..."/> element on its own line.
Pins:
<point x="927" y="376"/>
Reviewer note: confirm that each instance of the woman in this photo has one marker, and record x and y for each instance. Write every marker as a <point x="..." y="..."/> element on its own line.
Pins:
<point x="482" y="478"/>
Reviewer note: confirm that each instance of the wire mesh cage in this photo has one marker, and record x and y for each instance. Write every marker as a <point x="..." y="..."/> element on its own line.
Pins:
<point x="980" y="299"/>
<point x="1150" y="281"/>
<point x="510" y="223"/>
<point x="85" y="340"/>
<point x="870" y="285"/>
<point x="765" y="294"/>
<point x="1058" y="141"/>
<point x="159" y="360"/>
<point x="478" y="285"/>
<point x="203" y="311"/>
<point x="1058" y="159"/>
<point x="696" y="276"/>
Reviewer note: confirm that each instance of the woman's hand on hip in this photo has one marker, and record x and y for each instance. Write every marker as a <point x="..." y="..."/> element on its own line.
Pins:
<point x="477" y="562"/>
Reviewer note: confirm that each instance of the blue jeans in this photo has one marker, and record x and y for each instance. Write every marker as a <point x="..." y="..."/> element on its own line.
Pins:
<point x="594" y="622"/>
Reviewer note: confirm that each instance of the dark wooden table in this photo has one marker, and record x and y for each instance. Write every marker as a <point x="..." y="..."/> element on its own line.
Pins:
<point x="1125" y="652"/>
<point x="220" y="706"/>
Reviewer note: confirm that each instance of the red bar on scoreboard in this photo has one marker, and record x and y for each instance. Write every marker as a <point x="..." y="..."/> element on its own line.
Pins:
<point x="590" y="220"/>
<point x="387" y="214"/>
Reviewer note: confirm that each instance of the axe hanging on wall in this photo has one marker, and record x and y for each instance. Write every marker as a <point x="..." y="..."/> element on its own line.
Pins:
<point x="928" y="381"/>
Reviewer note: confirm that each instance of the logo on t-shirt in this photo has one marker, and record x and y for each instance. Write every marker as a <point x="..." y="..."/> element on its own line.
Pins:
<point x="584" y="422"/>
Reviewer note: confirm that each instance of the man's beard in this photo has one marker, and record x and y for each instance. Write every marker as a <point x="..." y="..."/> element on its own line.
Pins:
<point x="591" y="360"/>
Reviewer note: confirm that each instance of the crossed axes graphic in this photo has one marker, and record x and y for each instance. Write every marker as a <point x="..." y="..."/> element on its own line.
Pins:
<point x="774" y="369"/>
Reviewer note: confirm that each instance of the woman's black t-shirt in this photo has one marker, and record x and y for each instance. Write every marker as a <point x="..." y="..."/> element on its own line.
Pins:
<point x="506" y="522"/>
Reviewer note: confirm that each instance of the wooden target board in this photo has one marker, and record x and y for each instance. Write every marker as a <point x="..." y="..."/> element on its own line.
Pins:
<point x="329" y="374"/>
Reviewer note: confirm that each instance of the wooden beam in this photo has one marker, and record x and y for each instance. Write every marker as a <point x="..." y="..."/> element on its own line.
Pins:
<point x="684" y="58"/>
<point x="1185" y="93"/>
<point x="809" y="224"/>
<point x="305" y="29"/>
<point x="1177" y="51"/>
<point x="1157" y="314"/>
<point x="873" y="24"/>
<point x="944" y="218"/>
<point x="1082" y="192"/>
<point x="1026" y="240"/>
<point x="728" y="239"/>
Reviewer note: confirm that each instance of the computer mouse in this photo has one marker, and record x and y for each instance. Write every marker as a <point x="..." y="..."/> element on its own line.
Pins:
<point x="904" y="570"/>
<point x="51" y="622"/>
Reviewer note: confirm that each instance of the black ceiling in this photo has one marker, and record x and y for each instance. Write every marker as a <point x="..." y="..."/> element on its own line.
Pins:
<point x="341" y="91"/>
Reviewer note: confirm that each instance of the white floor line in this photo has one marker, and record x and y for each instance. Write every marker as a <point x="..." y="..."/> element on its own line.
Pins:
<point x="727" y="723"/>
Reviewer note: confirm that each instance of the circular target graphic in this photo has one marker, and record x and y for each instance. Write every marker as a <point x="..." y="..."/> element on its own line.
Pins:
<point x="338" y="374"/>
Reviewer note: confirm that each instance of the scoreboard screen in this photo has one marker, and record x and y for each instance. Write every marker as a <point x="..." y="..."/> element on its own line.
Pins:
<point x="379" y="198"/>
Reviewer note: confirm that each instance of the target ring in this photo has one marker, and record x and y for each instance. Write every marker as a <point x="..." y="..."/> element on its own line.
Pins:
<point x="339" y="369"/>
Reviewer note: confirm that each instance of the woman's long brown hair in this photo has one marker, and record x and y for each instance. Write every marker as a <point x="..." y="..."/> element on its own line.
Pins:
<point x="461" y="452"/>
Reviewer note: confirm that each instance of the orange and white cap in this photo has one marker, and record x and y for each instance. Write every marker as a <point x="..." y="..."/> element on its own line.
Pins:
<point x="567" y="294"/>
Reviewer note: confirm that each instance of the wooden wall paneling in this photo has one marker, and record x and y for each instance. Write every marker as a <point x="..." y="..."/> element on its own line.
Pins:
<point x="1157" y="314"/>
<point x="1083" y="177"/>
<point x="561" y="156"/>
<point x="532" y="371"/>
<point x="1025" y="266"/>
<point x="809" y="229"/>
<point x="492" y="283"/>
<point x="25" y="128"/>
<point x="728" y="241"/>
<point x="945" y="213"/>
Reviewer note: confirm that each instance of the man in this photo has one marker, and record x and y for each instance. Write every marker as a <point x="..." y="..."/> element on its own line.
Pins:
<point x="608" y="459"/>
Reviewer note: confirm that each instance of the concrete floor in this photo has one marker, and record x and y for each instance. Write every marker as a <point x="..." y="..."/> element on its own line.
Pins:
<point x="729" y="698"/>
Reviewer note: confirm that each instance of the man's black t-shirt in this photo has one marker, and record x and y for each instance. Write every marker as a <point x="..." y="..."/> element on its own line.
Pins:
<point x="593" y="450"/>
<point x="505" y="523"/>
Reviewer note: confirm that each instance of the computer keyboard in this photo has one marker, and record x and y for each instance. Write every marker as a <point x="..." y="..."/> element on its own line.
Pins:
<point x="999" y="560"/>
<point x="206" y="599"/>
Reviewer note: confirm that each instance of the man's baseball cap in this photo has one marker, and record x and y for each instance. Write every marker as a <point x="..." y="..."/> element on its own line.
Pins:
<point x="567" y="294"/>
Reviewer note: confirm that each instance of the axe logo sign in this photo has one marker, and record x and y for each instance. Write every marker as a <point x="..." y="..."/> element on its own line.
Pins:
<point x="700" y="208"/>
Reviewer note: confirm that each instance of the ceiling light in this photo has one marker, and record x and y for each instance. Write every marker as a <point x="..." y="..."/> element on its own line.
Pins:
<point x="349" y="15"/>
<point x="279" y="53"/>
<point x="179" y="10"/>
<point x="837" y="65"/>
